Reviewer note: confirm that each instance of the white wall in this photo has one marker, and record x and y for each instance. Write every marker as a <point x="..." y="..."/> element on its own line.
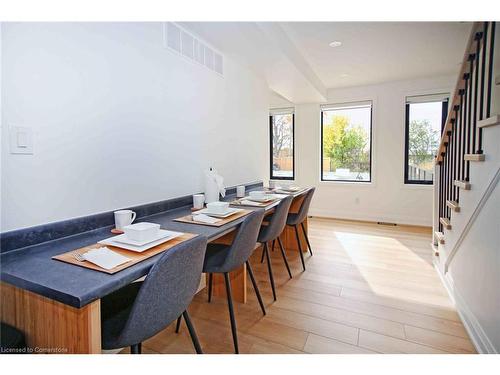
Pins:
<point x="475" y="276"/>
<point x="119" y="120"/>
<point x="386" y="198"/>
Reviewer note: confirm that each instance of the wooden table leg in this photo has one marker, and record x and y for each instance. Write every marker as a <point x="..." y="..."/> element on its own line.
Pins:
<point x="237" y="277"/>
<point x="238" y="280"/>
<point x="51" y="326"/>
<point x="289" y="239"/>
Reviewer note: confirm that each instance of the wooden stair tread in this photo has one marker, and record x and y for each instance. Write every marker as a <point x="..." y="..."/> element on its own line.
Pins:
<point x="490" y="121"/>
<point x="453" y="205"/>
<point x="474" y="157"/>
<point x="462" y="184"/>
<point x="446" y="222"/>
<point x="440" y="237"/>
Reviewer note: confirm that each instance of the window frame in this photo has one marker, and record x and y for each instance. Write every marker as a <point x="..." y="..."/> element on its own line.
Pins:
<point x="271" y="176"/>
<point x="353" y="104"/>
<point x="444" y="115"/>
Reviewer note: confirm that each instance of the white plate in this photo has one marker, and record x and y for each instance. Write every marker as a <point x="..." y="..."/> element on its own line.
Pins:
<point x="122" y="238"/>
<point x="112" y="242"/>
<point x="230" y="211"/>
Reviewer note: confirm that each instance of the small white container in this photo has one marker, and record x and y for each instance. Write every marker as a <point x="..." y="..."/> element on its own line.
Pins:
<point x="141" y="232"/>
<point x="217" y="207"/>
<point x="240" y="191"/>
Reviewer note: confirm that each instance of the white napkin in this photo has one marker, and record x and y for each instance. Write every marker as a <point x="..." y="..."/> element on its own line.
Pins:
<point x="105" y="258"/>
<point x="246" y="202"/>
<point x="202" y="218"/>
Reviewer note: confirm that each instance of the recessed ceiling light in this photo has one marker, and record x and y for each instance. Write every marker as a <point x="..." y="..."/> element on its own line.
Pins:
<point x="335" y="43"/>
<point x="344" y="75"/>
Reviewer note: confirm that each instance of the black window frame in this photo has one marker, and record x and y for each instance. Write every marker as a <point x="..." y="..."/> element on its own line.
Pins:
<point x="444" y="114"/>
<point x="371" y="144"/>
<point x="292" y="178"/>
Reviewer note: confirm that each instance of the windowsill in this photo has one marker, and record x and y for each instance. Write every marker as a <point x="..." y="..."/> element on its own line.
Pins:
<point x="362" y="184"/>
<point x="417" y="186"/>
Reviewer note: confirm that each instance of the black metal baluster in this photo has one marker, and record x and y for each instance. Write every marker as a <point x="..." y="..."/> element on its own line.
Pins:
<point x="482" y="91"/>
<point x="469" y="113"/>
<point x="466" y="127"/>
<point x="477" y="38"/>
<point x="452" y="153"/>
<point x="490" y="69"/>
<point x="440" y="226"/>
<point x="458" y="121"/>
<point x="448" y="185"/>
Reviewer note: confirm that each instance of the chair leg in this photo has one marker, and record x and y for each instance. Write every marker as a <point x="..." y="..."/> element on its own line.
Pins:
<point x="263" y="254"/>
<point x="231" y="312"/>
<point x="307" y="238"/>
<point x="284" y="257"/>
<point x="270" y="270"/>
<point x="136" y="349"/>
<point x="272" y="247"/>
<point x="210" y="282"/>
<point x="178" y="325"/>
<point x="255" y="287"/>
<point x="192" y="333"/>
<point x="300" y="247"/>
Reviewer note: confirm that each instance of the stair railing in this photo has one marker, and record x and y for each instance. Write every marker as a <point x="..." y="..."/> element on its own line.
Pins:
<point x="462" y="138"/>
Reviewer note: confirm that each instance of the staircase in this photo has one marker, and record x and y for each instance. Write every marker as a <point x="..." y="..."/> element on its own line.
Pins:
<point x="463" y="138"/>
<point x="466" y="239"/>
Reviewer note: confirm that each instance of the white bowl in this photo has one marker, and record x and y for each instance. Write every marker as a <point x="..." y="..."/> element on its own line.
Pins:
<point x="217" y="207"/>
<point x="141" y="232"/>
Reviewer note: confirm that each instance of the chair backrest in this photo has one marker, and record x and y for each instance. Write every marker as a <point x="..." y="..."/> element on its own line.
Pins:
<point x="277" y="221"/>
<point x="304" y="207"/>
<point x="167" y="291"/>
<point x="244" y="241"/>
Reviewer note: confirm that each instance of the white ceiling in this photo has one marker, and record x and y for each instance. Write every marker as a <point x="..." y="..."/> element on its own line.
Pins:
<point x="374" y="52"/>
<point x="296" y="60"/>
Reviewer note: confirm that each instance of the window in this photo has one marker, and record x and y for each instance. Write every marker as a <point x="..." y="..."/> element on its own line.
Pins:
<point x="281" y="130"/>
<point x="425" y="119"/>
<point x="346" y="142"/>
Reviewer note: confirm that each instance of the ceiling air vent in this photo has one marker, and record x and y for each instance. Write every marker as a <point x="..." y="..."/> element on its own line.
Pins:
<point x="186" y="44"/>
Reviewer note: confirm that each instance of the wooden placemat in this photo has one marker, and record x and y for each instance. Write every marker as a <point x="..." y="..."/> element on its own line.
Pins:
<point x="135" y="256"/>
<point x="237" y="202"/>
<point x="189" y="219"/>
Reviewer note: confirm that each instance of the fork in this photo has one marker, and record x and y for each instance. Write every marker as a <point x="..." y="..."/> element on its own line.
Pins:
<point x="79" y="257"/>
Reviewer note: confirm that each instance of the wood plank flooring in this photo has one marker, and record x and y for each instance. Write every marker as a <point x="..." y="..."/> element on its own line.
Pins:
<point x="368" y="288"/>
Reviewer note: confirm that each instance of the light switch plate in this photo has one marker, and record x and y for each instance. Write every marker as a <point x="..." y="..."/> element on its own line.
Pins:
<point x="21" y="140"/>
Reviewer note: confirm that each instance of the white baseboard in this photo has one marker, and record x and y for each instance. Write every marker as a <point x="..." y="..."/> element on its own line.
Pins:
<point x="398" y="219"/>
<point x="479" y="338"/>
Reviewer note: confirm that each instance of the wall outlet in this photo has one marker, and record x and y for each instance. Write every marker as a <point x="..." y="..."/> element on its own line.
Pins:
<point x="21" y="140"/>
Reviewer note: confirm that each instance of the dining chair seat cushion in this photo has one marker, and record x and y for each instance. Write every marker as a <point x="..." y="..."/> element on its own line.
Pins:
<point x="115" y="310"/>
<point x="301" y="215"/>
<point x="11" y="338"/>
<point x="276" y="222"/>
<point x="293" y="219"/>
<point x="215" y="257"/>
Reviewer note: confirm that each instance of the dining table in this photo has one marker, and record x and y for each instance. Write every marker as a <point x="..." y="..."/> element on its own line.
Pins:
<point x="57" y="305"/>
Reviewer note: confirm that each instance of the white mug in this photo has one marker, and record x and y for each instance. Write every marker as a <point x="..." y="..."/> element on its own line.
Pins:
<point x="198" y="201"/>
<point x="240" y="191"/>
<point x="124" y="218"/>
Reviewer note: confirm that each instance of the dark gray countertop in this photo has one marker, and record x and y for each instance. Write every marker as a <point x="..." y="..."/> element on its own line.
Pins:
<point x="32" y="268"/>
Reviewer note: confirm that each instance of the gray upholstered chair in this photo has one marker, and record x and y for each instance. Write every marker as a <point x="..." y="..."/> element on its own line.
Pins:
<point x="140" y="310"/>
<point x="226" y="258"/>
<point x="271" y="231"/>
<point x="294" y="219"/>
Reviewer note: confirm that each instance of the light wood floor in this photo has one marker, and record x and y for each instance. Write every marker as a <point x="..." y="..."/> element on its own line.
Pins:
<point x="368" y="289"/>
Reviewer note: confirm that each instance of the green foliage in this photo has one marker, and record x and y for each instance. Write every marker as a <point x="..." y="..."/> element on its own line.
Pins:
<point x="423" y="142"/>
<point x="345" y="144"/>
